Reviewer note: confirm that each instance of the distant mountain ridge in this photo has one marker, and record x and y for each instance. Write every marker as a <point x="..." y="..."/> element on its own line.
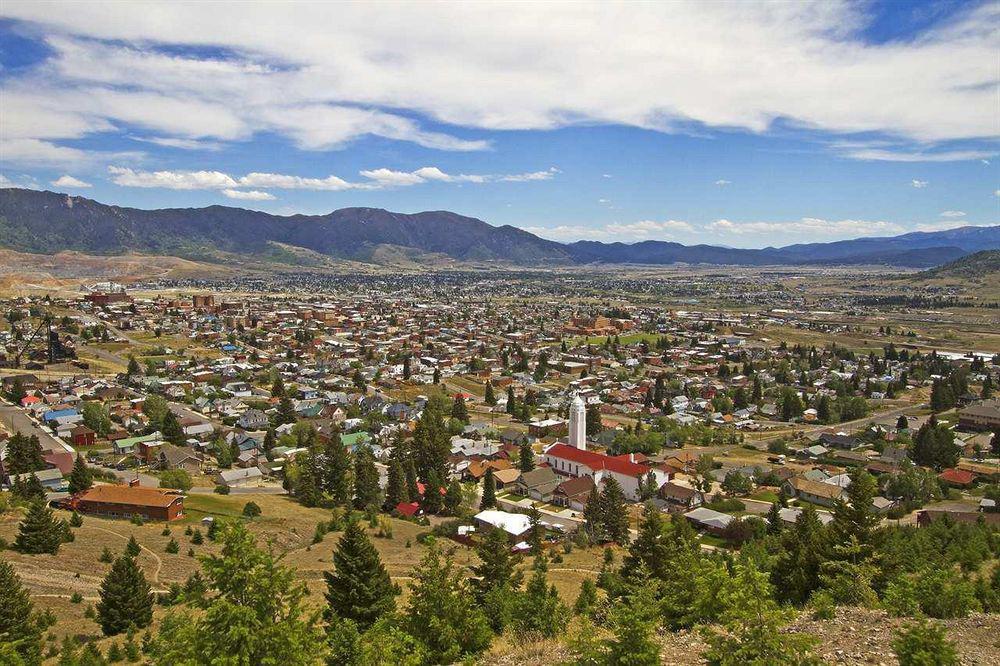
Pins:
<point x="49" y="222"/>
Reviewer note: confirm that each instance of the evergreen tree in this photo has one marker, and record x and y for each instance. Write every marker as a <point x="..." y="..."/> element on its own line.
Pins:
<point x="20" y="628"/>
<point x="410" y="471"/>
<point x="803" y="550"/>
<point x="24" y="454"/>
<point x="286" y="412"/>
<point x="367" y="493"/>
<point x="633" y="622"/>
<point x="436" y="377"/>
<point x="649" y="551"/>
<point x="432" y="501"/>
<point x="593" y="516"/>
<point x="497" y="565"/>
<point x="257" y="614"/>
<point x="133" y="370"/>
<point x="17" y="392"/>
<point x="406" y="369"/>
<point x="359" y="588"/>
<point x="934" y="446"/>
<point x="774" y="522"/>
<point x="171" y="429"/>
<point x="126" y="598"/>
<point x="587" y="599"/>
<point x="453" y="498"/>
<point x="132" y="548"/>
<point x="490" y="398"/>
<point x="442" y="614"/>
<point x="526" y="457"/>
<point x="855" y="515"/>
<point x="614" y="514"/>
<point x="489" y="500"/>
<point x="270" y="440"/>
<point x="278" y="387"/>
<point x="308" y="485"/>
<point x="28" y="489"/>
<point x="396" y="492"/>
<point x="431" y="441"/>
<point x="752" y="625"/>
<point x="539" y="609"/>
<point x="987" y="391"/>
<point x="459" y="410"/>
<point x="924" y="644"/>
<point x="39" y="532"/>
<point x="337" y="471"/>
<point x="511" y="400"/>
<point x="80" y="478"/>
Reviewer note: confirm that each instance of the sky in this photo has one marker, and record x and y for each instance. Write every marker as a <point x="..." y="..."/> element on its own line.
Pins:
<point x="728" y="123"/>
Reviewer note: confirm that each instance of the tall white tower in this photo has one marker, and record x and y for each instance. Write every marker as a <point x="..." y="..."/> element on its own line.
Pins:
<point x="578" y="423"/>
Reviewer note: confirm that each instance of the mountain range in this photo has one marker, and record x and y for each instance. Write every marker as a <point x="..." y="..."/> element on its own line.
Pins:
<point x="49" y="222"/>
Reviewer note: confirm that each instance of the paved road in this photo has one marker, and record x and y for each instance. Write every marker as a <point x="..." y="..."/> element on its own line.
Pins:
<point x="16" y="420"/>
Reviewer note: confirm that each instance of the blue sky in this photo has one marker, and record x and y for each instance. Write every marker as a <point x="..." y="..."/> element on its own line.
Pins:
<point x="743" y="124"/>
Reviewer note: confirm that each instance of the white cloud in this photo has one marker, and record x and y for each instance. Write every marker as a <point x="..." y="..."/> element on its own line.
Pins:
<point x="6" y="182"/>
<point x="952" y="213"/>
<point x="723" y="183"/>
<point x="249" y="195"/>
<point x="811" y="226"/>
<point x="376" y="179"/>
<point x="919" y="184"/>
<point x="322" y="75"/>
<point x="944" y="225"/>
<point x="985" y="162"/>
<point x="183" y="144"/>
<point x="633" y="231"/>
<point x="69" y="181"/>
<point x="172" y="180"/>
<point x="548" y="174"/>
<point x="879" y="154"/>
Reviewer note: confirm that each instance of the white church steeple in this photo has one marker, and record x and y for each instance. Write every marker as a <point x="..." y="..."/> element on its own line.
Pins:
<point x="578" y="423"/>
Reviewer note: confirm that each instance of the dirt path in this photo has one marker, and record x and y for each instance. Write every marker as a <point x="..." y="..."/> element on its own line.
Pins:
<point x="159" y="562"/>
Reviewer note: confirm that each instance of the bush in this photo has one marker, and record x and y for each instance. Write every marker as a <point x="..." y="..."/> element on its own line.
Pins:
<point x="178" y="479"/>
<point x="924" y="643"/>
<point x="944" y="593"/>
<point x="76" y="598"/>
<point x="173" y="547"/>
<point x="222" y="489"/>
<point x="75" y="520"/>
<point x="729" y="505"/>
<point x="196" y="538"/>
<point x="251" y="510"/>
<point x="106" y="556"/>
<point x="823" y="605"/>
<point x="321" y="530"/>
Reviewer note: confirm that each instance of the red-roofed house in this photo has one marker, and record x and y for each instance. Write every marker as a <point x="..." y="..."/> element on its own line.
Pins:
<point x="571" y="461"/>
<point x="958" y="478"/>
<point x="408" y="509"/>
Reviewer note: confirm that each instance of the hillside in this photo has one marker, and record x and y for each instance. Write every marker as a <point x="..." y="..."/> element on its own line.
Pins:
<point x="979" y="264"/>
<point x="50" y="222"/>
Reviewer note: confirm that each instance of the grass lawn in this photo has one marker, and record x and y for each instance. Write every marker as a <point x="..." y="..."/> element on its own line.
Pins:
<point x="765" y="496"/>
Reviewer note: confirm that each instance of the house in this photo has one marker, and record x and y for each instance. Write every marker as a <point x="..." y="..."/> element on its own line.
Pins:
<point x="538" y="484"/>
<point x="239" y="477"/>
<point x="838" y="440"/>
<point x="118" y="501"/>
<point x="957" y="478"/>
<point x="52" y="479"/>
<point x="573" y="493"/>
<point x="571" y="461"/>
<point x="814" y="492"/>
<point x="984" y="415"/>
<point x="81" y="435"/>
<point x="176" y="457"/>
<point x="505" y="477"/>
<point x="513" y="436"/>
<point x="516" y="525"/>
<point x="253" y="419"/>
<point x="711" y="521"/>
<point x="126" y="446"/>
<point x="680" y="498"/>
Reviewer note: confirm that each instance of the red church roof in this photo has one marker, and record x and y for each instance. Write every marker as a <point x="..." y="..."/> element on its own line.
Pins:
<point x="597" y="461"/>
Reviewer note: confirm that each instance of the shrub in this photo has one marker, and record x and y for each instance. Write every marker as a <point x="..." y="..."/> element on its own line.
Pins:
<point x="75" y="520"/>
<point x="923" y="643"/>
<point x="321" y="530"/>
<point x="222" y="489"/>
<point x="106" y="556"/>
<point x="196" y="538"/>
<point x="251" y="510"/>
<point x="823" y="605"/>
<point x="76" y="598"/>
<point x="173" y="547"/>
<point x="729" y="505"/>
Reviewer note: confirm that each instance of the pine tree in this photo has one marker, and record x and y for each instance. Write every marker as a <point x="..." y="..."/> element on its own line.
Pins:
<point x="80" y="478"/>
<point x="19" y="625"/>
<point x="803" y="550"/>
<point x="337" y="471"/>
<point x="406" y="369"/>
<point x="526" y="457"/>
<point x="39" y="532"/>
<point x="511" y="400"/>
<point x="436" y="377"/>
<point x="539" y="609"/>
<point x="459" y="410"/>
<point x="286" y="412"/>
<point x="774" y="522"/>
<point x="441" y="614"/>
<point x="489" y="500"/>
<point x="28" y="489"/>
<point x="633" y="622"/>
<point x="278" y="387"/>
<point x="133" y="370"/>
<point x="270" y="440"/>
<point x="431" y="501"/>
<point x="490" y="398"/>
<point x="395" y="492"/>
<point x="453" y="498"/>
<point x="614" y="514"/>
<point x="367" y="493"/>
<point x="497" y="564"/>
<point x="307" y="485"/>
<point x="126" y="598"/>
<point x="649" y="551"/>
<point x="171" y="429"/>
<point x="132" y="548"/>
<point x="410" y="470"/>
<point x="593" y="516"/>
<point x="587" y="599"/>
<point x="359" y="587"/>
<point x="24" y="454"/>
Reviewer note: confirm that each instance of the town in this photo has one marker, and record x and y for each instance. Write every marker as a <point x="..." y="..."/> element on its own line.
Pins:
<point x="552" y="427"/>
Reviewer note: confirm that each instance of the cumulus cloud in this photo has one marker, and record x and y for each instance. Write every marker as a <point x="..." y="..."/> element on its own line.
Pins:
<point x="807" y="226"/>
<point x="952" y="213"/>
<point x="322" y="75"/>
<point x="172" y="180"/>
<point x="249" y="195"/>
<point x="69" y="181"/>
<point x="919" y="184"/>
